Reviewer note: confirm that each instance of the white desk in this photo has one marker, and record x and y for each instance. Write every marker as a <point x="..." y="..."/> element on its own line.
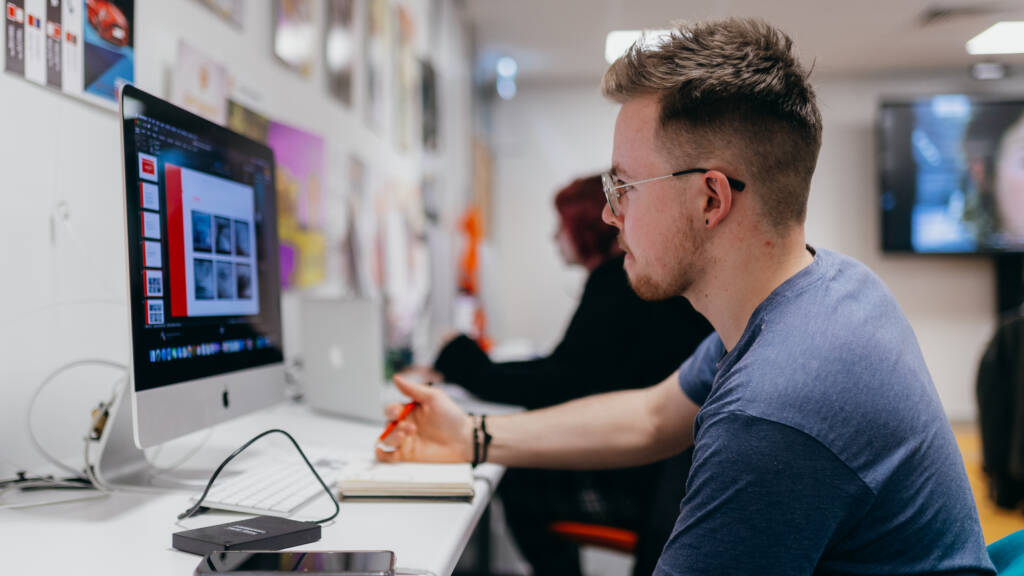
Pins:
<point x="130" y="533"/>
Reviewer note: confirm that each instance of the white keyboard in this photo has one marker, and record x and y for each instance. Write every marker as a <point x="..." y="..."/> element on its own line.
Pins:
<point x="274" y="489"/>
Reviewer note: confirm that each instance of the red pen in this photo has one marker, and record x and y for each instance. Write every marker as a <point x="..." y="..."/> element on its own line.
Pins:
<point x="406" y="410"/>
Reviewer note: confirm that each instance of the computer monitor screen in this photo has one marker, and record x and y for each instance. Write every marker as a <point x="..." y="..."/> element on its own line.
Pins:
<point x="952" y="175"/>
<point x="204" y="282"/>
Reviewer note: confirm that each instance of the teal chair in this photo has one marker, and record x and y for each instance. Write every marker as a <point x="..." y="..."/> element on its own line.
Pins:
<point x="1008" y="554"/>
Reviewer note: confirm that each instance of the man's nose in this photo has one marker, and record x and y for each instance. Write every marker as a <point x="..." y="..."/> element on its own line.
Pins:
<point x="608" y="217"/>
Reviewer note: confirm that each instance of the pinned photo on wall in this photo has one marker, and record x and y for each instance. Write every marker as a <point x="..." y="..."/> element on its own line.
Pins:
<point x="200" y="84"/>
<point x="428" y="99"/>
<point x="231" y="10"/>
<point x="109" y="59"/>
<point x="82" y="48"/>
<point x="35" y="41"/>
<point x="14" y="37"/>
<point x="340" y="49"/>
<point x="54" y="50"/>
<point x="359" y="248"/>
<point x="406" y="270"/>
<point x="377" y="53"/>
<point x="295" y="34"/>
<point x="247" y="122"/>
<point x="405" y="88"/>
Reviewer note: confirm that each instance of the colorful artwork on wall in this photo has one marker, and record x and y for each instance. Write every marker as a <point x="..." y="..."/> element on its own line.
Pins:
<point x="84" y="48"/>
<point x="300" y="179"/>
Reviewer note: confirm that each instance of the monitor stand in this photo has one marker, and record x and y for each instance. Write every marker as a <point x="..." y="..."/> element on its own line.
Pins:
<point x="116" y="461"/>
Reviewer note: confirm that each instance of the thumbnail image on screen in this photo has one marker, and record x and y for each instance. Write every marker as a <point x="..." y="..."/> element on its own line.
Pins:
<point x="952" y="175"/>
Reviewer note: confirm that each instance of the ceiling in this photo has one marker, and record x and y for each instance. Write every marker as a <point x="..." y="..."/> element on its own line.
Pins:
<point x="564" y="39"/>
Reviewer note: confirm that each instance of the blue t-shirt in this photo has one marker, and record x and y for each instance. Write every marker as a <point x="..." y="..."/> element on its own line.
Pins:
<point x="821" y="446"/>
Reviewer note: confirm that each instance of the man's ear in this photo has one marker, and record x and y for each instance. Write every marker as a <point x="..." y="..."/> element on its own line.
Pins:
<point x="717" y="198"/>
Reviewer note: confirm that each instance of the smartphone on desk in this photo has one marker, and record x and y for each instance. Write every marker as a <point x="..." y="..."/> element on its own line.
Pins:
<point x="329" y="563"/>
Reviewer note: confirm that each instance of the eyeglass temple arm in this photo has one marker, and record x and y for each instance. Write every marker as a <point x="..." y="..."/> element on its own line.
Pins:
<point x="737" y="185"/>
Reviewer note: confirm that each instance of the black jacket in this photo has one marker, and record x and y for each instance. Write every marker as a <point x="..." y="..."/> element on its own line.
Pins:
<point x="1001" y="412"/>
<point x="615" y="341"/>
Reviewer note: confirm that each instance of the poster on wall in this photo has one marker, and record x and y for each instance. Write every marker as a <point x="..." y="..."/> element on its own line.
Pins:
<point x="428" y="99"/>
<point x="247" y="122"/>
<point x="109" y="59"/>
<point x="294" y="34"/>
<point x="340" y="49"/>
<point x="200" y="85"/>
<point x="300" y="169"/>
<point x="85" y="48"/>
<point x="406" y="270"/>
<point x="360" y="247"/>
<point x="35" y="41"/>
<point x="377" y="52"/>
<point x="405" y="85"/>
<point x="230" y="10"/>
<point x="300" y="227"/>
<point x="14" y="36"/>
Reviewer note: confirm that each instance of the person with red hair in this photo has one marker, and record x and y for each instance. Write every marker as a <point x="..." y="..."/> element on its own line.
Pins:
<point x="650" y="340"/>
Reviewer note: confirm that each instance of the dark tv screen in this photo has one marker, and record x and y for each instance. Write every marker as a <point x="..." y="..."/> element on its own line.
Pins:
<point x="952" y="175"/>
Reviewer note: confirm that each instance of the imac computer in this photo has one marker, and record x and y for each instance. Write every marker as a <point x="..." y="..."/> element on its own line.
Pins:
<point x="203" y="280"/>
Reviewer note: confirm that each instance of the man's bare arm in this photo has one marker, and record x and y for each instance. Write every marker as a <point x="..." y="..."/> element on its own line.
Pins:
<point x="612" y="430"/>
<point x="617" y="429"/>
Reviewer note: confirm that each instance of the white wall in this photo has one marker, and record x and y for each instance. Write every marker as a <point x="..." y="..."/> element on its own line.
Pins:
<point x="63" y="290"/>
<point x="550" y="134"/>
<point x="543" y="139"/>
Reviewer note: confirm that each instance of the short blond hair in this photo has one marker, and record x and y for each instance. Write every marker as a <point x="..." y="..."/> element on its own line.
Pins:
<point x="738" y="81"/>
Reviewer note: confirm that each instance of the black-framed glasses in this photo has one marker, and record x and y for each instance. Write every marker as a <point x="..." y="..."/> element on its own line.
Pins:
<point x="613" y="192"/>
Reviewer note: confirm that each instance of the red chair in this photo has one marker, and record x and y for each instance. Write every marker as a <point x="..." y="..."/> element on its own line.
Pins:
<point x="595" y="535"/>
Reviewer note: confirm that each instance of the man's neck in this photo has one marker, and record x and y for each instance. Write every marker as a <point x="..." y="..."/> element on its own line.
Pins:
<point x="743" y="277"/>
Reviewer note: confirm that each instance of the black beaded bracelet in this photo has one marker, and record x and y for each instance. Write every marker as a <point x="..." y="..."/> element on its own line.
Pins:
<point x="476" y="441"/>
<point x="487" y="437"/>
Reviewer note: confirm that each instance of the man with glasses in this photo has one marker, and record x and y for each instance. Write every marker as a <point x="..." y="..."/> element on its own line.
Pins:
<point x="820" y="445"/>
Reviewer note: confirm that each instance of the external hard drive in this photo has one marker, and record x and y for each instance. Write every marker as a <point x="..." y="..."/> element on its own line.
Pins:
<point x="258" y="533"/>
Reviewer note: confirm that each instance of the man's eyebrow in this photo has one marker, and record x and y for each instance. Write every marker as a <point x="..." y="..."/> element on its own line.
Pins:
<point x="617" y="170"/>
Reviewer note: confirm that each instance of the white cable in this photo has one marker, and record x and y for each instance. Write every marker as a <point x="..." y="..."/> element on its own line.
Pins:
<point x="399" y="571"/>
<point x="35" y="397"/>
<point x="158" y="470"/>
<point x="46" y="484"/>
<point x="90" y="473"/>
<point x="93" y="496"/>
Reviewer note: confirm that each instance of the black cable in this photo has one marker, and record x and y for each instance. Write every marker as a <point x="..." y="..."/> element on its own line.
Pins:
<point x="26" y="482"/>
<point x="199" y="503"/>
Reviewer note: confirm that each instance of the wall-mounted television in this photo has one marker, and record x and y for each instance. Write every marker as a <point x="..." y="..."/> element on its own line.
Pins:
<point x="952" y="174"/>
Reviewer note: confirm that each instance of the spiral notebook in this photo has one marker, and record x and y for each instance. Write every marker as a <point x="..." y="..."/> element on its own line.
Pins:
<point x="372" y="480"/>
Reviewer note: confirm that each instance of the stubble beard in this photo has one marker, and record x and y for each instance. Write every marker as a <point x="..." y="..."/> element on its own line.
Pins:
<point x="687" y="250"/>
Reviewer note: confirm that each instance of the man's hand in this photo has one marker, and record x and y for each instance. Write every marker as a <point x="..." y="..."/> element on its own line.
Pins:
<point x="436" y="430"/>
<point x="422" y="374"/>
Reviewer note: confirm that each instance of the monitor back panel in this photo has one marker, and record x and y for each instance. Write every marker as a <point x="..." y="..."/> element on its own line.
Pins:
<point x="343" y="345"/>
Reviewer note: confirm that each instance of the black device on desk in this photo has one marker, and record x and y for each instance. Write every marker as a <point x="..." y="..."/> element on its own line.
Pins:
<point x="328" y="563"/>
